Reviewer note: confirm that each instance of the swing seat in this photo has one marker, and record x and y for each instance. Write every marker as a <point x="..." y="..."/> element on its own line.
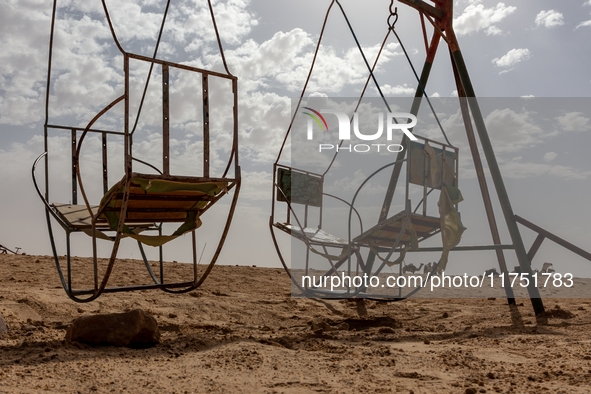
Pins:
<point x="314" y="235"/>
<point x="303" y="188"/>
<point x="161" y="198"/>
<point x="152" y="199"/>
<point x="384" y="234"/>
<point x="77" y="216"/>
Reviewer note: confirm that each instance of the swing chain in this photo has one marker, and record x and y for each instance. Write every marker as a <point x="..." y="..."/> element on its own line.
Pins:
<point x="393" y="14"/>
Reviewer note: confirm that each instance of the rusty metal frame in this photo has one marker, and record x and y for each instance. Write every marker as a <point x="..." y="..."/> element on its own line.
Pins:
<point x="439" y="13"/>
<point x="234" y="181"/>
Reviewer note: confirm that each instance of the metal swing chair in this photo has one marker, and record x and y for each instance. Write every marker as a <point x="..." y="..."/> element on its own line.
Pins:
<point x="429" y="164"/>
<point x="141" y="202"/>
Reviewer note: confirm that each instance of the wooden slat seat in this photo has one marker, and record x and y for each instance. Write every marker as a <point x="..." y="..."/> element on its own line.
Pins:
<point x="158" y="198"/>
<point x="78" y="217"/>
<point x="384" y="234"/>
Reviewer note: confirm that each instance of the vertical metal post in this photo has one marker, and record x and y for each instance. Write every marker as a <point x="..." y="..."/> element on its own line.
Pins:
<point x="321" y="201"/>
<point x="235" y="113"/>
<point x="495" y="172"/>
<point x="74" y="167"/>
<point x="165" y="122"/>
<point x="482" y="182"/>
<point x="68" y="260"/>
<point x="105" y="173"/>
<point x="425" y="178"/>
<point x="194" y="241"/>
<point x="127" y="137"/>
<point x="205" y="87"/>
<point x="161" y="257"/>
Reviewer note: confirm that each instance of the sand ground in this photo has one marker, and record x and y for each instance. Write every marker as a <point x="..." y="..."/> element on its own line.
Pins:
<point x="242" y="332"/>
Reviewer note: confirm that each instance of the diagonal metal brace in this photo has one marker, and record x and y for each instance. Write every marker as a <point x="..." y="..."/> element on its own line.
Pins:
<point x="424" y="7"/>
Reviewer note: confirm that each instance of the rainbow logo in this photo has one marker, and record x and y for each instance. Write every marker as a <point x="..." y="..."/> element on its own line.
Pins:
<point x="316" y="119"/>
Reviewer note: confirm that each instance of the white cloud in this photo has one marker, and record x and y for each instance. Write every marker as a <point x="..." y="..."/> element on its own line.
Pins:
<point x="256" y="186"/>
<point x="87" y="67"/>
<point x="586" y="23"/>
<point x="398" y="90"/>
<point x="518" y="169"/>
<point x="476" y="17"/>
<point x="351" y="184"/>
<point x="574" y="121"/>
<point x="550" y="18"/>
<point x="512" y="57"/>
<point x="23" y="70"/>
<point x="550" y="156"/>
<point x="493" y="31"/>
<point x="512" y="131"/>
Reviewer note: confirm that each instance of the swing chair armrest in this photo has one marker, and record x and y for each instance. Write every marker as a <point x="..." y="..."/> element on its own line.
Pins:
<point x="48" y="207"/>
<point x="147" y="164"/>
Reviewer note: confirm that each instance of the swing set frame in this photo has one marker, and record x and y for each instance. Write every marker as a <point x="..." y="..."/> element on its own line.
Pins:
<point x="439" y="14"/>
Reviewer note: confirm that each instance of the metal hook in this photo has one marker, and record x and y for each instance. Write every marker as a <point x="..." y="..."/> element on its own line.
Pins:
<point x="392" y="14"/>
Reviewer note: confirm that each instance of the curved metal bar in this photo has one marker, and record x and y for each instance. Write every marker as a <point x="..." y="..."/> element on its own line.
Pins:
<point x="97" y="116"/>
<point x="362" y="95"/>
<point x="217" y="34"/>
<point x="356" y="212"/>
<point x="139" y="111"/>
<point x="47" y="90"/>
<point x="148" y="164"/>
<point x="49" y="62"/>
<point x="394" y="245"/>
<point x="422" y="199"/>
<point x="306" y="241"/>
<point x="281" y="259"/>
<point x="307" y="80"/>
<point x="49" y="211"/>
<point x="363" y="55"/>
<point x="124" y="202"/>
<point x="355" y="197"/>
<point x="58" y="266"/>
<point x="232" y="154"/>
<point x="45" y="202"/>
<point x="220" y="244"/>
<point x="156" y="281"/>
<point x="111" y="27"/>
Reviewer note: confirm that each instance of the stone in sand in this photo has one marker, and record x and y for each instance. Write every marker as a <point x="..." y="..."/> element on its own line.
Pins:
<point x="3" y="329"/>
<point x="136" y="329"/>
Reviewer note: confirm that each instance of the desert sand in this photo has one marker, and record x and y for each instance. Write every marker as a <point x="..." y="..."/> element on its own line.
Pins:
<point x="242" y="332"/>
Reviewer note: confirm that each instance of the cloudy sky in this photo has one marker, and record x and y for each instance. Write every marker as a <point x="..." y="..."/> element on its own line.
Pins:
<point x="514" y="49"/>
